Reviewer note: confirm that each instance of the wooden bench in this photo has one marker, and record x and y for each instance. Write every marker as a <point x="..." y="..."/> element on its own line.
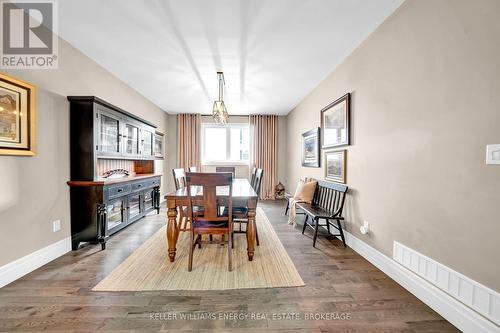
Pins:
<point x="327" y="204"/>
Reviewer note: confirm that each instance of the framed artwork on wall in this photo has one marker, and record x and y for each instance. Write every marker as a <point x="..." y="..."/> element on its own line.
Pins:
<point x="335" y="166"/>
<point x="335" y="118"/>
<point x="17" y="117"/>
<point x="159" y="145"/>
<point x="311" y="155"/>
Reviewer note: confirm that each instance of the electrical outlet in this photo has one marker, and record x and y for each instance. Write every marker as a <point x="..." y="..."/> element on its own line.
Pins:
<point x="56" y="225"/>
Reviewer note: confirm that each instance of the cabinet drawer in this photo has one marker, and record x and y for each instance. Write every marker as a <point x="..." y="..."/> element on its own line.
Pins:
<point x="154" y="182"/>
<point x="140" y="185"/>
<point x="118" y="190"/>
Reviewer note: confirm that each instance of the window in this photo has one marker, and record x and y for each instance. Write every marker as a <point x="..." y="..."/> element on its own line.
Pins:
<point x="228" y="143"/>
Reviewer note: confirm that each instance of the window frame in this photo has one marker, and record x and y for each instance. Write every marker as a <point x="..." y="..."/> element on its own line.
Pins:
<point x="228" y="128"/>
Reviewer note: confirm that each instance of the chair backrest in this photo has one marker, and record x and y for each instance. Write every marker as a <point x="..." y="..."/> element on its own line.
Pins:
<point x="193" y="169"/>
<point x="202" y="192"/>
<point x="330" y="196"/>
<point x="257" y="180"/>
<point x="252" y="175"/>
<point x="225" y="169"/>
<point x="179" y="178"/>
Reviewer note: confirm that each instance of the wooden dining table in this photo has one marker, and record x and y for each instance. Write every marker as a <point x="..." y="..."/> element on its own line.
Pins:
<point x="243" y="195"/>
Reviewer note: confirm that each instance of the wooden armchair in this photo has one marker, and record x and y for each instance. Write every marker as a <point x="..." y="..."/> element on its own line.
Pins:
<point x="203" y="210"/>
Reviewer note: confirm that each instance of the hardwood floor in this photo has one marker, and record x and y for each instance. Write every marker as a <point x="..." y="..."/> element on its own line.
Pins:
<point x="58" y="296"/>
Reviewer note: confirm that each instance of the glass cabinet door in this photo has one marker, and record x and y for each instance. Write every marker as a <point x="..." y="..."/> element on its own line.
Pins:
<point x="132" y="139"/>
<point x="114" y="213"/>
<point x="148" y="200"/>
<point x="147" y="143"/>
<point x="134" y="206"/>
<point x="110" y="134"/>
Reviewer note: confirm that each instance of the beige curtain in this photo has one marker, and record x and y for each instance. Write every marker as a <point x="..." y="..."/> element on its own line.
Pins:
<point x="189" y="141"/>
<point x="264" y="131"/>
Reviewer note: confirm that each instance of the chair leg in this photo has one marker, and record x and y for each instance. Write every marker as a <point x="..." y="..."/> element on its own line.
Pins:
<point x="305" y="224"/>
<point x="316" y="227"/>
<point x="328" y="226"/>
<point x="341" y="232"/>
<point x="199" y="241"/>
<point x="287" y="206"/>
<point x="232" y="240"/>
<point x="230" y="253"/>
<point x="257" y="235"/>
<point x="190" y="264"/>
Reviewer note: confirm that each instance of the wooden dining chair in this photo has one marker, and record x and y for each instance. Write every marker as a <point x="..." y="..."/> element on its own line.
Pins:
<point x="193" y="169"/>
<point x="203" y="210"/>
<point x="180" y="182"/>
<point x="179" y="178"/>
<point x="240" y="214"/>
<point x="252" y="175"/>
<point x="231" y="169"/>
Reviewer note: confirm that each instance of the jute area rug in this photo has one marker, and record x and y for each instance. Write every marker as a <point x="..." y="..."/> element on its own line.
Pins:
<point x="148" y="267"/>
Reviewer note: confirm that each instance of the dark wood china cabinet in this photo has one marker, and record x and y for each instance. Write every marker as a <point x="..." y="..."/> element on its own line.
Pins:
<point x="113" y="181"/>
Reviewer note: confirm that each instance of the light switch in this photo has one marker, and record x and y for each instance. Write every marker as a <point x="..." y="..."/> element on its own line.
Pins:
<point x="493" y="154"/>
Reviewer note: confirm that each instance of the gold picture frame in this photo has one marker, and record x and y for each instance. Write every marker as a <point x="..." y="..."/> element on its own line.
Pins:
<point x="335" y="166"/>
<point x="18" y="117"/>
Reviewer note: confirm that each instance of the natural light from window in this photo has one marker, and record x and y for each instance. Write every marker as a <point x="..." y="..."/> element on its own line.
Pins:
<point x="227" y="143"/>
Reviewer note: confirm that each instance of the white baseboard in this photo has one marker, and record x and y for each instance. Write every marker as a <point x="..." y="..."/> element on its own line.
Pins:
<point x="22" y="266"/>
<point x="457" y="313"/>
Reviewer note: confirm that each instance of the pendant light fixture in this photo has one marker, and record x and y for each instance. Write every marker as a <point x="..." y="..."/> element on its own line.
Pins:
<point x="219" y="111"/>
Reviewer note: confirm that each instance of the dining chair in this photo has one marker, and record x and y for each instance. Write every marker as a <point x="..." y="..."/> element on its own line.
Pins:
<point x="179" y="178"/>
<point x="252" y="175"/>
<point x="180" y="182"/>
<point x="193" y="169"/>
<point x="203" y="210"/>
<point x="240" y="214"/>
<point x="231" y="169"/>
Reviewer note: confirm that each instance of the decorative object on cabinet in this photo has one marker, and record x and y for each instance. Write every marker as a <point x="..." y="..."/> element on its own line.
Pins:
<point x="113" y="181"/>
<point x="335" y="118"/>
<point x="335" y="165"/>
<point x="311" y="148"/>
<point x="17" y="117"/>
<point x="116" y="173"/>
<point x="159" y="143"/>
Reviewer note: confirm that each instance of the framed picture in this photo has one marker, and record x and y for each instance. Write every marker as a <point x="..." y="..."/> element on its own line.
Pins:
<point x="311" y="148"/>
<point x="17" y="117"/>
<point x="335" y="166"/>
<point x="335" y="123"/>
<point x="159" y="143"/>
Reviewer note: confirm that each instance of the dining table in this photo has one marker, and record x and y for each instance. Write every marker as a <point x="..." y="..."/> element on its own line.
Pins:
<point x="243" y="195"/>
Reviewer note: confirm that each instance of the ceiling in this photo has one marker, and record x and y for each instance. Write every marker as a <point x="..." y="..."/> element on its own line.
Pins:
<point x="272" y="52"/>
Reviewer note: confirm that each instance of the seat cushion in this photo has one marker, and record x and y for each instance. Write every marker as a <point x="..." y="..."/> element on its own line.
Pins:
<point x="305" y="191"/>
<point x="236" y="211"/>
<point x="210" y="224"/>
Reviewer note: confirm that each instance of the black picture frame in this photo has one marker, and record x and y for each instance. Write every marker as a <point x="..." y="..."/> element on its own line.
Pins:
<point x="336" y="135"/>
<point x="310" y="140"/>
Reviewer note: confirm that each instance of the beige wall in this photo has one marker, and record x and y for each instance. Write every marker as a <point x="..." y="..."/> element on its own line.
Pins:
<point x="425" y="102"/>
<point x="33" y="189"/>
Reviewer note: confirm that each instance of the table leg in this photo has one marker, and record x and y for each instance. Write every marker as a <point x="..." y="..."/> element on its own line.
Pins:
<point x="252" y="205"/>
<point x="172" y="230"/>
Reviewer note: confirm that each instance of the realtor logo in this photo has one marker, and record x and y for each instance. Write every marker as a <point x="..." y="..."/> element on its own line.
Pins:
<point x="29" y="36"/>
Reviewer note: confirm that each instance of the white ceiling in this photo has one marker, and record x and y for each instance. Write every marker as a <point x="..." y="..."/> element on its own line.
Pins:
<point x="272" y="52"/>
